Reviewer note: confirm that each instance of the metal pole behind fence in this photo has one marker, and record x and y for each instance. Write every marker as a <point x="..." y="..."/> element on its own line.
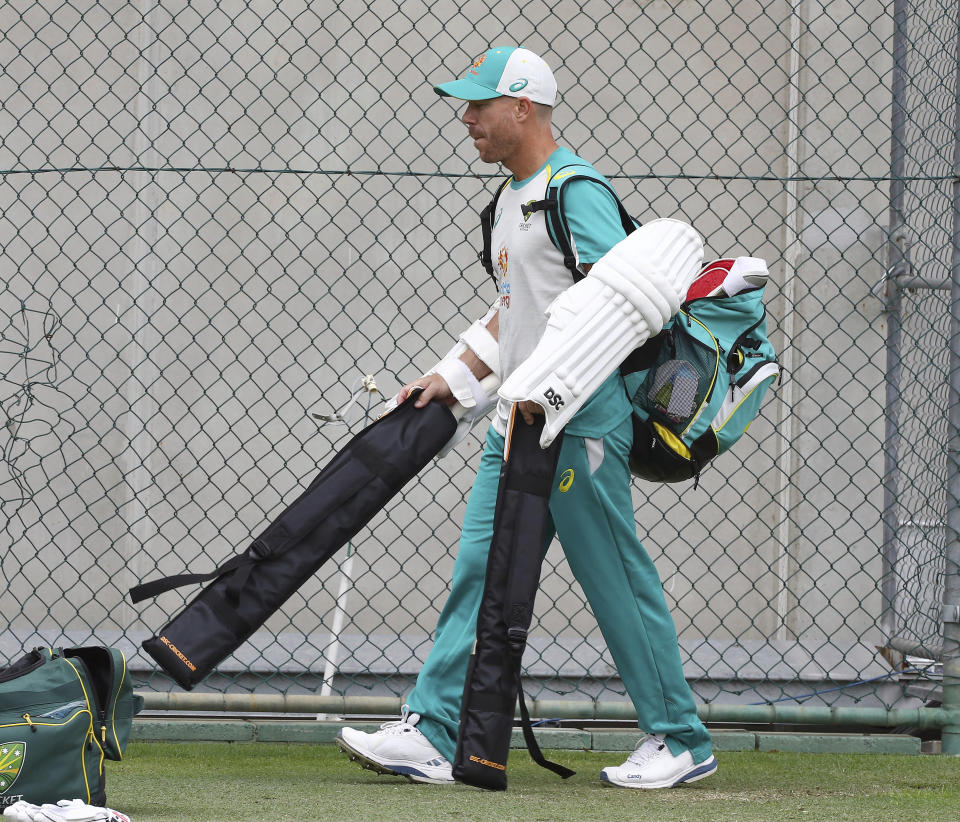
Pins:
<point x="897" y="267"/>
<point x="951" y="572"/>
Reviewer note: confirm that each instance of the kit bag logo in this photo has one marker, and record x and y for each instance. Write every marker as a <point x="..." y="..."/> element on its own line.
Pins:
<point x="12" y="756"/>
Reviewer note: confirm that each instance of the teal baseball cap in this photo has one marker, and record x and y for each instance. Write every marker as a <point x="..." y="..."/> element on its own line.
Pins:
<point x="504" y="71"/>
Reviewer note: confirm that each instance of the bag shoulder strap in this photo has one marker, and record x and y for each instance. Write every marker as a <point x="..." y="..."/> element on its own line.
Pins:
<point x="487" y="217"/>
<point x="557" y="226"/>
<point x="745" y="340"/>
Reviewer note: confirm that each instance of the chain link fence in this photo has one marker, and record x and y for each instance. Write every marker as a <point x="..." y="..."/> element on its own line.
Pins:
<point x="217" y="217"/>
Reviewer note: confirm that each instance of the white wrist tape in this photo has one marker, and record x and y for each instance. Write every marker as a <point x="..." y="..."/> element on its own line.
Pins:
<point x="469" y="417"/>
<point x="474" y="398"/>
<point x="479" y="339"/>
<point x="463" y="384"/>
<point x="626" y="298"/>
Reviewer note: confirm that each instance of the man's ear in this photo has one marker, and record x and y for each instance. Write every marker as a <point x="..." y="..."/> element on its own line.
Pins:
<point x="523" y="108"/>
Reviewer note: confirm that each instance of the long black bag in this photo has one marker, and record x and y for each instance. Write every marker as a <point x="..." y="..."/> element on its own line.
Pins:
<point x="513" y="575"/>
<point x="246" y="590"/>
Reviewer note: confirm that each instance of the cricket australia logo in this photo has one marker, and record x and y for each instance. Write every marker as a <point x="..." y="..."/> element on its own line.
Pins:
<point x="527" y="214"/>
<point x="12" y="755"/>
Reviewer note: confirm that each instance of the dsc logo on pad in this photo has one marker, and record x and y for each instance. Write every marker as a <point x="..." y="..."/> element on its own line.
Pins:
<point x="553" y="398"/>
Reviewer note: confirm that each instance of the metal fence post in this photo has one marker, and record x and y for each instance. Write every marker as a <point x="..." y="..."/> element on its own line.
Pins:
<point x="897" y="267"/>
<point x="951" y="587"/>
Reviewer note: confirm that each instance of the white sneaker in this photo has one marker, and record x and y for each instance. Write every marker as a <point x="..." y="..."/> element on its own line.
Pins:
<point x="398" y="748"/>
<point x="652" y="765"/>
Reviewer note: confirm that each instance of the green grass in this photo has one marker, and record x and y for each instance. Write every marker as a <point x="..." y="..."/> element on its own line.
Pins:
<point x="233" y="782"/>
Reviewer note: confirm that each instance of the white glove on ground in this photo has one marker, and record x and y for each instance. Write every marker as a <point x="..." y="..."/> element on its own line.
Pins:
<point x="66" y="810"/>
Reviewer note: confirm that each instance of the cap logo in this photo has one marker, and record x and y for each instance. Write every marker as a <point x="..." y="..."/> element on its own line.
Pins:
<point x="519" y="84"/>
<point x="477" y="63"/>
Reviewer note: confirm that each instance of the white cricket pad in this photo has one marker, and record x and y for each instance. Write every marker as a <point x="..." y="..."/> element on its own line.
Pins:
<point x="628" y="296"/>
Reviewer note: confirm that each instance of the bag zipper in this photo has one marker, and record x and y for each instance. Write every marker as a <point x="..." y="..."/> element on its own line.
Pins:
<point x="94" y="698"/>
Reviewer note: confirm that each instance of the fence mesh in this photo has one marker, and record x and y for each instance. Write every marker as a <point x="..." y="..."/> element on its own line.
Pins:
<point x="217" y="217"/>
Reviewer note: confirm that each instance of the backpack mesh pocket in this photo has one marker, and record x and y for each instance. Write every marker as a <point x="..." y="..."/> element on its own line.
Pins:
<point x="680" y="383"/>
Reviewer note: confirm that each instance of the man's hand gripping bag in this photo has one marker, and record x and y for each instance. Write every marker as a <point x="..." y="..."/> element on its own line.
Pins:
<point x="513" y="576"/>
<point x="246" y="590"/>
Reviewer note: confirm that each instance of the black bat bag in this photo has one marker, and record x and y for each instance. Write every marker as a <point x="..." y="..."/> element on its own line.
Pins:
<point x="246" y="590"/>
<point x="513" y="576"/>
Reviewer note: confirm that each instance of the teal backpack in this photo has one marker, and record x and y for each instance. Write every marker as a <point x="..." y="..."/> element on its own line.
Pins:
<point x="696" y="386"/>
<point x="701" y="384"/>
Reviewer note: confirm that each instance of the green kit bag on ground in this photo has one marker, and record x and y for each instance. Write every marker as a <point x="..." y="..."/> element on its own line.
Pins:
<point x="62" y="712"/>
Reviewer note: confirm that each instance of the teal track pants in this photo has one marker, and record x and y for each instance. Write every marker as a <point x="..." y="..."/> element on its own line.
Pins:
<point x="591" y="512"/>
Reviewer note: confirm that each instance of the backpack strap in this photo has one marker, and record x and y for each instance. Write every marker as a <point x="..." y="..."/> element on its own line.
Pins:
<point x="487" y="219"/>
<point x="737" y="356"/>
<point x="557" y="226"/>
